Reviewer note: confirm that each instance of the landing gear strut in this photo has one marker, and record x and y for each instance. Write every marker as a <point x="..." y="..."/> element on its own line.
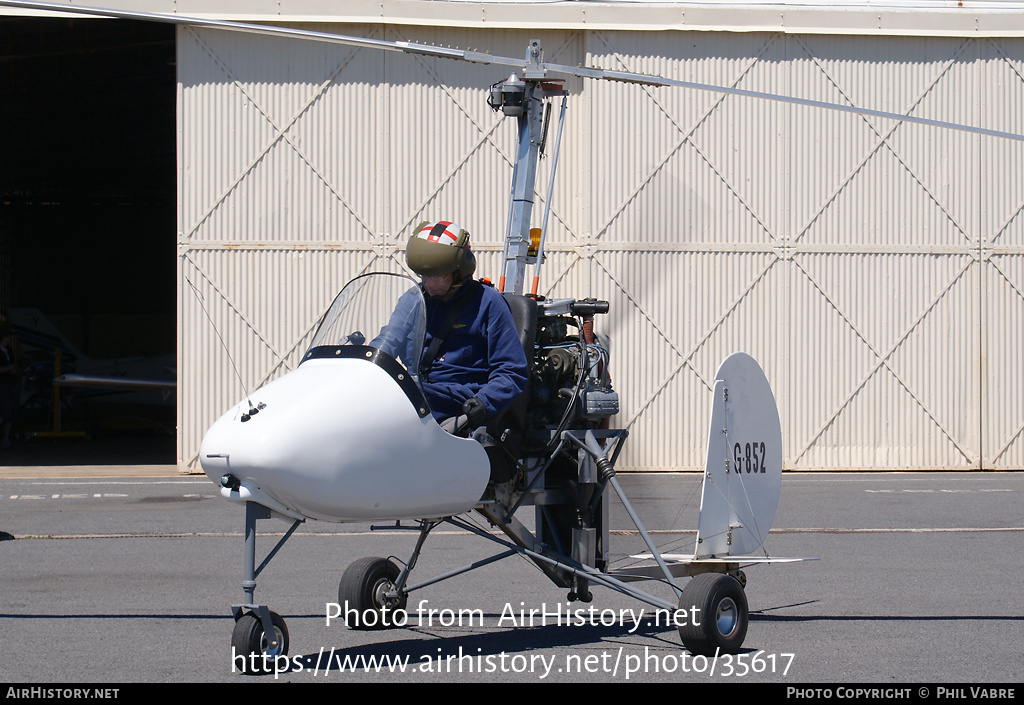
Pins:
<point x="259" y="636"/>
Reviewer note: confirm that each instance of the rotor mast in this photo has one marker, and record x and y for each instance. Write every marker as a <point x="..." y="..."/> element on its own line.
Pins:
<point x="522" y="98"/>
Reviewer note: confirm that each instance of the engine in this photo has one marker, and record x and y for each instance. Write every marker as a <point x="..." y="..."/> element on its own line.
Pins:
<point x="571" y="387"/>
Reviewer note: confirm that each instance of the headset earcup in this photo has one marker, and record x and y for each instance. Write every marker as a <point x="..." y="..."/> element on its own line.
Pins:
<point x="467" y="264"/>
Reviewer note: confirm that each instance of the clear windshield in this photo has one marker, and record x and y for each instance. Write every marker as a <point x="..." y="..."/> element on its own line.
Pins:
<point x="383" y="311"/>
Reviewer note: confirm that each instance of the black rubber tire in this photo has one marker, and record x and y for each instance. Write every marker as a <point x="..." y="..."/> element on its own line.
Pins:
<point x="359" y="594"/>
<point x="247" y="640"/>
<point x="722" y="613"/>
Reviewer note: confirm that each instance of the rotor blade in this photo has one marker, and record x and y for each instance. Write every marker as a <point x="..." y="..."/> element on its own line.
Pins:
<point x="272" y="30"/>
<point x="481" y="58"/>
<point x="116" y="383"/>
<point x="645" y="79"/>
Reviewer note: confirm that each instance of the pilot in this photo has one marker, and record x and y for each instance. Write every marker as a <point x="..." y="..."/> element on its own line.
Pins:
<point x="473" y="364"/>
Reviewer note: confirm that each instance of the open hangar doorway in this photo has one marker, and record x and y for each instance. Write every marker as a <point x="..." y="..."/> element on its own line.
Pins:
<point x="87" y="229"/>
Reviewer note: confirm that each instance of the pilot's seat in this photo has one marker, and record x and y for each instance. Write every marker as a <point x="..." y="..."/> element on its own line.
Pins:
<point x="508" y="427"/>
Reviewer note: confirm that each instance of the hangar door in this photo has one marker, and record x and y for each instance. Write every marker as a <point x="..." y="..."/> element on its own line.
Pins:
<point x="874" y="269"/>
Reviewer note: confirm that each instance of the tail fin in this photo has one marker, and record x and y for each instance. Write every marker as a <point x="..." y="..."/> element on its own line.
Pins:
<point x="743" y="470"/>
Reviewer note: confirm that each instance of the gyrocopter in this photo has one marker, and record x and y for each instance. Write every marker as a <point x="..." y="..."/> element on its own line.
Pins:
<point x="345" y="437"/>
<point x="349" y="436"/>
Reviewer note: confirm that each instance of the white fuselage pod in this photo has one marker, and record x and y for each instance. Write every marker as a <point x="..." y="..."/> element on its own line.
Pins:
<point x="338" y="440"/>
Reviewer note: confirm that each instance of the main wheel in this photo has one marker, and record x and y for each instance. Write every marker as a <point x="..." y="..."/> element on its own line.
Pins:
<point x="362" y="595"/>
<point x="719" y="606"/>
<point x="250" y="647"/>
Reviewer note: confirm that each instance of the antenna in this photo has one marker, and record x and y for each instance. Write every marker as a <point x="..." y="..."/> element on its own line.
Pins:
<point x="253" y="410"/>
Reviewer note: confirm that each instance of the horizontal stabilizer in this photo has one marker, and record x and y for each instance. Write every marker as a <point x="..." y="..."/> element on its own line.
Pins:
<point x="746" y="560"/>
<point x="683" y="566"/>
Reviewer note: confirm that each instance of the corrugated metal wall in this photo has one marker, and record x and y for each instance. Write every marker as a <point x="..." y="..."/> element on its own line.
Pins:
<point x="875" y="269"/>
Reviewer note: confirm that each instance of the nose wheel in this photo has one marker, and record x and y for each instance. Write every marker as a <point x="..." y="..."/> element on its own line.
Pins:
<point x="255" y="648"/>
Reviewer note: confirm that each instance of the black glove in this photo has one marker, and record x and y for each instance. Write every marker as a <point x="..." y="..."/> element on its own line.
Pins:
<point x="475" y="411"/>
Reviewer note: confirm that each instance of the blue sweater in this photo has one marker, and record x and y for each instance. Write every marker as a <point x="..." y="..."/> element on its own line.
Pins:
<point x="481" y="355"/>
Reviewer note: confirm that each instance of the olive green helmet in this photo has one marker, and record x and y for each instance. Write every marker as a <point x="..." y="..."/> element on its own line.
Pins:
<point x="440" y="248"/>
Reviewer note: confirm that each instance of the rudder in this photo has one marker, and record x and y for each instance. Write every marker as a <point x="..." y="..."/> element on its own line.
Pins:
<point x="743" y="466"/>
